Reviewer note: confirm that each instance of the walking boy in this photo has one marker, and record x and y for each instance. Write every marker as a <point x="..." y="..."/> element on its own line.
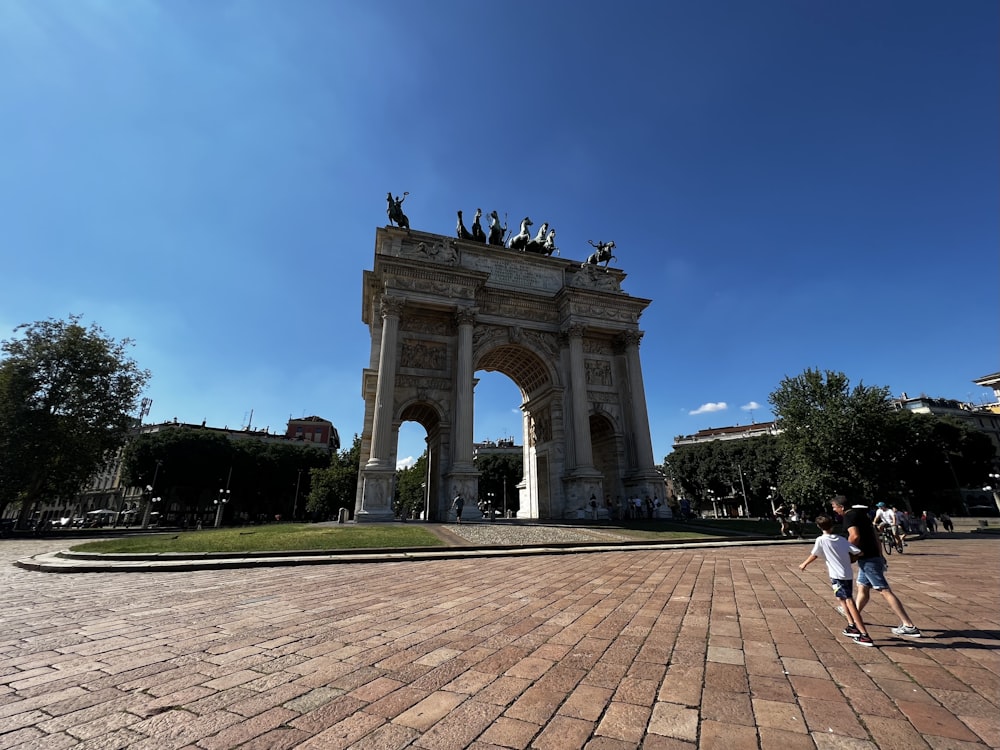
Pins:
<point x="837" y="552"/>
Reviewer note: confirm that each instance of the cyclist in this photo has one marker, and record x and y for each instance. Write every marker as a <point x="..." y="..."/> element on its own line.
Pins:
<point x="885" y="517"/>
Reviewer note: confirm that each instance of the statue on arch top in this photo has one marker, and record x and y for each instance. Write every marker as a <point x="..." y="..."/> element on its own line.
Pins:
<point x="394" y="210"/>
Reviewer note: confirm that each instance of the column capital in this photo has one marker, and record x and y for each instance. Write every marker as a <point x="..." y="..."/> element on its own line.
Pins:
<point x="574" y="330"/>
<point x="466" y="315"/>
<point x="631" y="338"/>
<point x="392" y="306"/>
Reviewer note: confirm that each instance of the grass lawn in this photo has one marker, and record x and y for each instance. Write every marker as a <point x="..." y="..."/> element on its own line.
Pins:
<point x="271" y="537"/>
<point x="741" y="526"/>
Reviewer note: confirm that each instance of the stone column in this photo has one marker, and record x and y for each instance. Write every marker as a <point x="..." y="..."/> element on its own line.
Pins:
<point x="381" y="456"/>
<point x="584" y="457"/>
<point x="639" y="416"/>
<point x="466" y="318"/>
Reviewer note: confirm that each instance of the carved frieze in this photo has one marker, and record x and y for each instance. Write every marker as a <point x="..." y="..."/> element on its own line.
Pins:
<point x="597" y="346"/>
<point x="598" y="371"/>
<point x="592" y="277"/>
<point x="424" y="355"/>
<point x="423" y="382"/>
<point x="426" y="325"/>
<point x="542" y="341"/>
<point x="439" y="251"/>
<point x="603" y="398"/>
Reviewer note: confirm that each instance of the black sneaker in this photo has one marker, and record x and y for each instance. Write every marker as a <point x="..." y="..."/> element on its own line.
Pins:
<point x="852" y="632"/>
<point x="864" y="640"/>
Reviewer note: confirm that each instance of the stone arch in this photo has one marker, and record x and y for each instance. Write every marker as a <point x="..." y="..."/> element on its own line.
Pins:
<point x="565" y="333"/>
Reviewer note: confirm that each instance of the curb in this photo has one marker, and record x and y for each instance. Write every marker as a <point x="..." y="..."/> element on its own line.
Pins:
<point x="66" y="561"/>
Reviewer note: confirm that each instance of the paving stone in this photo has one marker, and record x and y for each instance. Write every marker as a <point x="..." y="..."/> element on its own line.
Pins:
<point x="672" y="720"/>
<point x="659" y="649"/>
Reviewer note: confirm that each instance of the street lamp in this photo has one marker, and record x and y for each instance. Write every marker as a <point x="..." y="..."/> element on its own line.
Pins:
<point x="773" y="497"/>
<point x="220" y="502"/>
<point x="295" y="505"/>
<point x="994" y="487"/>
<point x="489" y="503"/>
<point x="149" y="491"/>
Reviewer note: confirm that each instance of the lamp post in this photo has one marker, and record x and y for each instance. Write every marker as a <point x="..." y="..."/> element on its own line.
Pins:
<point x="489" y="503"/>
<point x="295" y="504"/>
<point x="505" y="496"/>
<point x="220" y="502"/>
<point x="773" y="497"/>
<point x="149" y="492"/>
<point x="743" y="487"/>
<point x="994" y="487"/>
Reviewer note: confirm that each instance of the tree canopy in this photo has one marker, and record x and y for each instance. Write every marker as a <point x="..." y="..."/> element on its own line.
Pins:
<point x="837" y="439"/>
<point x="336" y="485"/>
<point x="66" y="393"/>
<point x="191" y="465"/>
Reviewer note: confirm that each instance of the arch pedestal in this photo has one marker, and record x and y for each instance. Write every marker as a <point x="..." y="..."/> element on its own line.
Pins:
<point x="439" y="310"/>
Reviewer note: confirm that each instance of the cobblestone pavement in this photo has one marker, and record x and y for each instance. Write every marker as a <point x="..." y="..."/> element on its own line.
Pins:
<point x="731" y="648"/>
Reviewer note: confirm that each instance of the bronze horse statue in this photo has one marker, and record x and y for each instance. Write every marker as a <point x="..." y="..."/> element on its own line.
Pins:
<point x="497" y="231"/>
<point x="537" y="245"/>
<point x="394" y="210"/>
<point x="477" y="234"/>
<point x="603" y="254"/>
<point x="520" y="240"/>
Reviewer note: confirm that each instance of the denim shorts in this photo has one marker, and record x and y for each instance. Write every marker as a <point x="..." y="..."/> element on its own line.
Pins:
<point x="871" y="573"/>
<point x="841" y="587"/>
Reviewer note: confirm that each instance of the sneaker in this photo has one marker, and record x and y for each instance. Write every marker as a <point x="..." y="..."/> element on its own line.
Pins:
<point x="908" y="630"/>
<point x="840" y="608"/>
<point x="864" y="640"/>
<point x="852" y="632"/>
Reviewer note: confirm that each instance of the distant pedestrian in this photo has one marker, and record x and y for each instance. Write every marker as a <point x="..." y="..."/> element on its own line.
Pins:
<point x="930" y="521"/>
<point x="838" y="553"/>
<point x="458" y="503"/>
<point x="947" y="523"/>
<point x="871" y="564"/>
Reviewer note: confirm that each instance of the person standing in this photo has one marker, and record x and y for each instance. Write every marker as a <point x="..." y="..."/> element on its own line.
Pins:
<point x="458" y="503"/>
<point x="837" y="552"/>
<point x="871" y="564"/>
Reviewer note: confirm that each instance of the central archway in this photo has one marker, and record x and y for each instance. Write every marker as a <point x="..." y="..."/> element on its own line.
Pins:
<point x="564" y="332"/>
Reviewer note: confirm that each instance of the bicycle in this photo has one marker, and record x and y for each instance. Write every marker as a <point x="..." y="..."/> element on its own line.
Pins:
<point x="889" y="540"/>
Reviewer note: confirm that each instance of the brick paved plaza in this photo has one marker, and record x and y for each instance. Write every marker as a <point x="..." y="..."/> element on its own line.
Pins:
<point x="730" y="648"/>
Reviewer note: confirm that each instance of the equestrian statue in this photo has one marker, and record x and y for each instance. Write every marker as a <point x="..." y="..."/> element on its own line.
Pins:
<point x="394" y="210"/>
<point x="603" y="254"/>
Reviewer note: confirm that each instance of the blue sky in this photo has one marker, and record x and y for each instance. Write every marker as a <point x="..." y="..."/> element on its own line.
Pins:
<point x="793" y="184"/>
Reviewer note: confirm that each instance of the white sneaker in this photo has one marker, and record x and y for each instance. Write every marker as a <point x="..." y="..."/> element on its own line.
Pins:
<point x="840" y="608"/>
<point x="908" y="630"/>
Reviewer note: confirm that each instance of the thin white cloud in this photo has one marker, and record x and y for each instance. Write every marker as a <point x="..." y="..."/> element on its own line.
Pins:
<point x="405" y="463"/>
<point x="751" y="406"/>
<point x="710" y="407"/>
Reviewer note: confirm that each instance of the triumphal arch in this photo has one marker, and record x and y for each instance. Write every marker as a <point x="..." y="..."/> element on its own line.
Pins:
<point x="441" y="309"/>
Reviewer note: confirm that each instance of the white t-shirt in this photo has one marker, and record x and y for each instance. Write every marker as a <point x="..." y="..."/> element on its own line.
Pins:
<point x="836" y="551"/>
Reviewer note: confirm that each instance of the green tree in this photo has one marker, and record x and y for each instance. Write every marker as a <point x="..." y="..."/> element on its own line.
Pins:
<point x="66" y="393"/>
<point x="335" y="486"/>
<point x="833" y="438"/>
<point x="411" y="489"/>
<point x="499" y="472"/>
<point x="191" y="465"/>
<point x="700" y="469"/>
